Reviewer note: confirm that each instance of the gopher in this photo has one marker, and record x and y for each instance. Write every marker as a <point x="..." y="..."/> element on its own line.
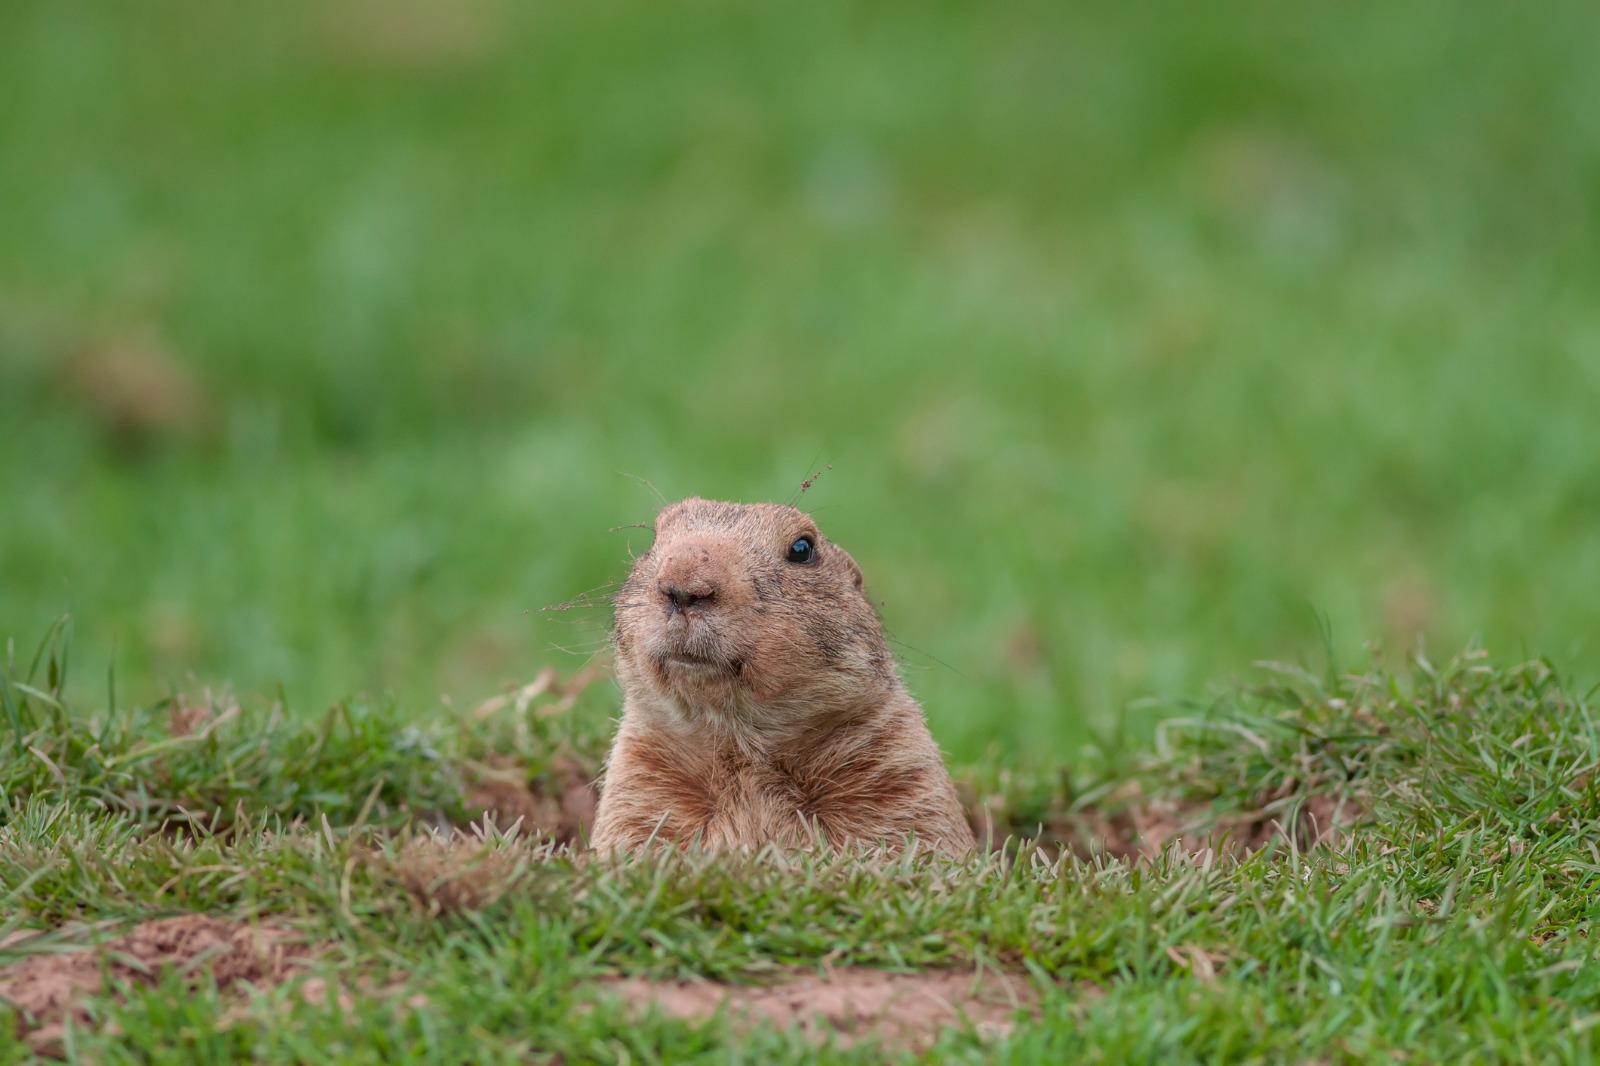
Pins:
<point x="761" y="703"/>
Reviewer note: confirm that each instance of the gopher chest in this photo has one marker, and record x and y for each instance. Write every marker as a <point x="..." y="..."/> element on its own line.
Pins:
<point x="659" y="788"/>
<point x="733" y="804"/>
<point x="720" y="799"/>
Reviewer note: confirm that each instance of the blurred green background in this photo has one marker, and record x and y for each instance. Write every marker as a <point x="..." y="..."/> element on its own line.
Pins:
<point x="1143" y="340"/>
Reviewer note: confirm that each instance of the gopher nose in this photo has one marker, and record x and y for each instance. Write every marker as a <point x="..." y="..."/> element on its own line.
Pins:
<point x="691" y="593"/>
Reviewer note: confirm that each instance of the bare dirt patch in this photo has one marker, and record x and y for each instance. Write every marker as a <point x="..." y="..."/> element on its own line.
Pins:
<point x="1145" y="828"/>
<point x="902" y="1010"/>
<point x="554" y="794"/>
<point x="49" y="987"/>
<point x="1131" y="825"/>
<point x="559" y="803"/>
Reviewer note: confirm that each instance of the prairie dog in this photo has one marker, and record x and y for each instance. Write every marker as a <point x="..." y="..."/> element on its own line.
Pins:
<point x="761" y="703"/>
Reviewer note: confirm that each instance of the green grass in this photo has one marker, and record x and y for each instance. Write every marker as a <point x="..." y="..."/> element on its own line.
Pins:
<point x="1453" y="924"/>
<point x="1144" y="343"/>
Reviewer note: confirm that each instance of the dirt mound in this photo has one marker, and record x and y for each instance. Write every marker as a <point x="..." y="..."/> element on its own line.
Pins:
<point x="1130" y="825"/>
<point x="553" y="795"/>
<point x="559" y="804"/>
<point x="902" y="1010"/>
<point x="48" y="987"/>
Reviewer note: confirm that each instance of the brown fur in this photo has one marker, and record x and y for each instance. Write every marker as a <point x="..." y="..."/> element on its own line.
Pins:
<point x="761" y="704"/>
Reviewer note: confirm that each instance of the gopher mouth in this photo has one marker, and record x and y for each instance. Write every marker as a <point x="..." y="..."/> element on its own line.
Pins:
<point x="690" y="664"/>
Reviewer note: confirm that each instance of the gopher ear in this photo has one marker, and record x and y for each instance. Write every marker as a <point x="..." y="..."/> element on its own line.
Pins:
<point x="668" y="515"/>
<point x="855" y="571"/>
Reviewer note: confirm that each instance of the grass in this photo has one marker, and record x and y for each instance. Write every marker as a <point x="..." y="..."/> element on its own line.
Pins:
<point x="1143" y="343"/>
<point x="1453" y="923"/>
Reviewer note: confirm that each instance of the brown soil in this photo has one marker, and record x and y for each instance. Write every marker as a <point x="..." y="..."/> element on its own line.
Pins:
<point x="559" y="804"/>
<point x="902" y="1010"/>
<point x="50" y="986"/>
<point x="556" y="802"/>
<point x="1130" y="826"/>
<point x="1144" y="829"/>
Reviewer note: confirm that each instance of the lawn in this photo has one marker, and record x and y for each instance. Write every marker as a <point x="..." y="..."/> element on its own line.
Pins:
<point x="1134" y="346"/>
<point x="1373" y="866"/>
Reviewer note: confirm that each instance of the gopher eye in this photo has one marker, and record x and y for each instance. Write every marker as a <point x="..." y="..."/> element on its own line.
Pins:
<point x="803" y="550"/>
